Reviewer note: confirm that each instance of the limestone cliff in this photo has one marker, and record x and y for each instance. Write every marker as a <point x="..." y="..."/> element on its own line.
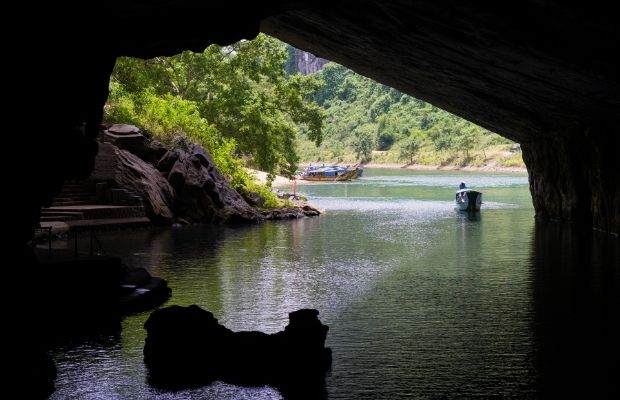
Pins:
<point x="304" y="62"/>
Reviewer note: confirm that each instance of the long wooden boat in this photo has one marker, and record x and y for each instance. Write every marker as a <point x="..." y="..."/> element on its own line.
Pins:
<point x="332" y="173"/>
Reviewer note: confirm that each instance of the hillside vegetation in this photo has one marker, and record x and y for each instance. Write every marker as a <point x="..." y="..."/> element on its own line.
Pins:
<point x="367" y="121"/>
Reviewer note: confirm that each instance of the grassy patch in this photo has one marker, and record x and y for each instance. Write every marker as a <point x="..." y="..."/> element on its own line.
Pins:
<point x="512" y="160"/>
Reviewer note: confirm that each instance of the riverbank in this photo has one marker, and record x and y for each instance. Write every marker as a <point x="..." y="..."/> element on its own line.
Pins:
<point x="281" y="181"/>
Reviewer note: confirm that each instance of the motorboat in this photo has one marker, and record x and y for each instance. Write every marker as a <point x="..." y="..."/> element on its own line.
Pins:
<point x="468" y="200"/>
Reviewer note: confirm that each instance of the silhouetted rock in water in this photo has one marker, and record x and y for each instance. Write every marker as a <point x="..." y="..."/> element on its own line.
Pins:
<point x="186" y="346"/>
<point x="202" y="193"/>
<point x="83" y="296"/>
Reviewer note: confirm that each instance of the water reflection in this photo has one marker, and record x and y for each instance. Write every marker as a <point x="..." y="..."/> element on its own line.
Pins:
<point x="576" y="291"/>
<point x="469" y="215"/>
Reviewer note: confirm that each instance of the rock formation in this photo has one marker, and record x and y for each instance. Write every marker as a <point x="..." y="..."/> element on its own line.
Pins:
<point x="202" y="192"/>
<point x="187" y="346"/>
<point x="180" y="184"/>
<point x="126" y="170"/>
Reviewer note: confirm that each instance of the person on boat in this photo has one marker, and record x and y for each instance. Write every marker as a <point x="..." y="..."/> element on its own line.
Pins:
<point x="462" y="186"/>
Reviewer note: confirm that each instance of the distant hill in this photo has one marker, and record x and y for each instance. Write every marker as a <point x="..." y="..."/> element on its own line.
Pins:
<point x="368" y="121"/>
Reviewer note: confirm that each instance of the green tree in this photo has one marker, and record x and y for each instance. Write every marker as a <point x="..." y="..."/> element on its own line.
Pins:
<point x="242" y="91"/>
<point x="442" y="137"/>
<point x="333" y="76"/>
<point x="466" y="141"/>
<point x="410" y="146"/>
<point x="364" y="142"/>
<point x="385" y="140"/>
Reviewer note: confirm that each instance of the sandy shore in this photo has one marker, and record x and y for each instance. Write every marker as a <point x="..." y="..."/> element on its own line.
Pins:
<point x="279" y="181"/>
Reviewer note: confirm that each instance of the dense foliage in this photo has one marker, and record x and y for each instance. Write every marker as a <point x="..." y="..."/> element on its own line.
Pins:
<point x="237" y="101"/>
<point x="367" y="120"/>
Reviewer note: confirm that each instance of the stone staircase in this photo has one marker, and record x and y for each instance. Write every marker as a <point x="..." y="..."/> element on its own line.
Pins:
<point x="65" y="204"/>
<point x="74" y="194"/>
<point x="78" y="207"/>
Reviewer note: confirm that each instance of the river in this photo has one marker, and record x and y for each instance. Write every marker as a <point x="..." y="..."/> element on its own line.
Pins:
<point x="422" y="301"/>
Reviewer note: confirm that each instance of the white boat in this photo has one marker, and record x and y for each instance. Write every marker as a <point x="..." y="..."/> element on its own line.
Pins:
<point x="468" y="200"/>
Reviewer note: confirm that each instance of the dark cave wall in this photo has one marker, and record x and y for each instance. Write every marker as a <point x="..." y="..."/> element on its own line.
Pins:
<point x="58" y="124"/>
<point x="576" y="179"/>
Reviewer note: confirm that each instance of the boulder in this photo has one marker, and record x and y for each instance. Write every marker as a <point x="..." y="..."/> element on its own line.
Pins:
<point x="126" y="170"/>
<point x="202" y="193"/>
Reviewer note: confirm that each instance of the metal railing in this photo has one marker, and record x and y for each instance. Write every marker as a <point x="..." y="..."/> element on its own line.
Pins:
<point x="94" y="242"/>
<point x="47" y="230"/>
<point x="92" y="239"/>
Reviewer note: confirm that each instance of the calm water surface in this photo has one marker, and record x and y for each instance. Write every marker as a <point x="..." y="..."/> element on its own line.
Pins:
<point x="422" y="301"/>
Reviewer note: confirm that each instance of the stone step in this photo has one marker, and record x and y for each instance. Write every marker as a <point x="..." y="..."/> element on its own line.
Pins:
<point x="54" y="213"/>
<point x="73" y="184"/>
<point x="76" y="188"/>
<point x="108" y="223"/>
<point x="67" y="193"/>
<point x="83" y="201"/>
<point x="76" y="196"/>
<point x="60" y="218"/>
<point x="94" y="211"/>
<point x="72" y="203"/>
